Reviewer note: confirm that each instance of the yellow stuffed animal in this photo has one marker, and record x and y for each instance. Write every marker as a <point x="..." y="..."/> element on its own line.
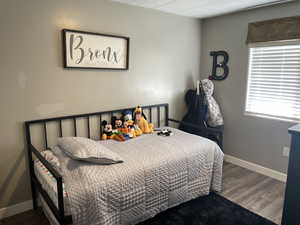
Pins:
<point x="137" y="130"/>
<point x="141" y="121"/>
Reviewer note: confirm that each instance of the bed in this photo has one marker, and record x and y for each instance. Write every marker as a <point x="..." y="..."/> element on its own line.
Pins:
<point x="157" y="173"/>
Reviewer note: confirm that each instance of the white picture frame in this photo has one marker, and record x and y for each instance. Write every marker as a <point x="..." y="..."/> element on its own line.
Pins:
<point x="88" y="50"/>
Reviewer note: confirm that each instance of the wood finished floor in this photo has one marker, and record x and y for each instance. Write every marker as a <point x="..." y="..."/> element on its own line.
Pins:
<point x="258" y="193"/>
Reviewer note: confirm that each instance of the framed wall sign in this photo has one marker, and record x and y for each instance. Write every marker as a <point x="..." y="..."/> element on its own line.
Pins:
<point x="95" y="51"/>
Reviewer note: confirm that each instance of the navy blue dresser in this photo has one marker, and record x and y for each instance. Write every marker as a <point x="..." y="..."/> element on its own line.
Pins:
<point x="291" y="210"/>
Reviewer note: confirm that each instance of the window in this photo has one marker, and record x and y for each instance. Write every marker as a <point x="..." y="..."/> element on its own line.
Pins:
<point x="274" y="81"/>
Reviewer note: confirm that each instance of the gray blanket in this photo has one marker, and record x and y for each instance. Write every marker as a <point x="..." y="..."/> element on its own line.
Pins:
<point x="157" y="173"/>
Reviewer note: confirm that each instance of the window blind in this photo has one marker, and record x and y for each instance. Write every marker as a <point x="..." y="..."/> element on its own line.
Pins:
<point x="274" y="81"/>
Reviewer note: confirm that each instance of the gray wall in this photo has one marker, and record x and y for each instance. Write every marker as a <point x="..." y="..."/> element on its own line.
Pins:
<point x="250" y="138"/>
<point x="164" y="62"/>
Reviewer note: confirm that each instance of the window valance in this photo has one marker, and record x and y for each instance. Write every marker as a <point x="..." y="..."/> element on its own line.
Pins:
<point x="274" y="30"/>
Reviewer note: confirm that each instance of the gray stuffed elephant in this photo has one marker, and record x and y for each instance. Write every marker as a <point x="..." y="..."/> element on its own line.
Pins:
<point x="215" y="117"/>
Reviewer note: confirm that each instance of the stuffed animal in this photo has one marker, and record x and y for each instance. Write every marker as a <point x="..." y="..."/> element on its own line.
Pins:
<point x="127" y="118"/>
<point x="122" y="127"/>
<point x="141" y="121"/>
<point x="165" y="132"/>
<point x="127" y="130"/>
<point x="116" y="122"/>
<point x="215" y="117"/>
<point x="110" y="133"/>
<point x="137" y="130"/>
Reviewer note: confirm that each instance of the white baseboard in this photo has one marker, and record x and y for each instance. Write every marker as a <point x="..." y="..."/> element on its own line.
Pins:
<point x="15" y="209"/>
<point x="256" y="168"/>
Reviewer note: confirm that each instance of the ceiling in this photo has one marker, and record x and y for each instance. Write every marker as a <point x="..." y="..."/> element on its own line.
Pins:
<point x="201" y="8"/>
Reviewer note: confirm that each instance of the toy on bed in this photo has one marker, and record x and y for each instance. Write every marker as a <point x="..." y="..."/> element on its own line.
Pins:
<point x="165" y="132"/>
<point x="127" y="117"/>
<point x="127" y="120"/>
<point x="123" y="127"/>
<point x="110" y="133"/>
<point x="141" y="121"/>
<point x="128" y="130"/>
<point x="116" y="123"/>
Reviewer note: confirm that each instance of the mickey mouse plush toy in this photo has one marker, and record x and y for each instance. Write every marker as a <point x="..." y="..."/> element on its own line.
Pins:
<point x="116" y="123"/>
<point x="122" y="127"/>
<point x="110" y="133"/>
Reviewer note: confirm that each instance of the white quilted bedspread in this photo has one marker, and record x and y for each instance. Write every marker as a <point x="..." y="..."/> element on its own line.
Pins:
<point x="157" y="173"/>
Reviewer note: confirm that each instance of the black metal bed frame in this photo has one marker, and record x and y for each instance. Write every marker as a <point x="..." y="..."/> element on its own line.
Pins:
<point x="36" y="187"/>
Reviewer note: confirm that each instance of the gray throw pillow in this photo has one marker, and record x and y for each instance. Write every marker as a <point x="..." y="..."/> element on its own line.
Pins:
<point x="85" y="149"/>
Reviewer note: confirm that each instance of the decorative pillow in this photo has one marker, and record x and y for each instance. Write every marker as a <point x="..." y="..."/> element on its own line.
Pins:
<point x="85" y="149"/>
<point x="52" y="159"/>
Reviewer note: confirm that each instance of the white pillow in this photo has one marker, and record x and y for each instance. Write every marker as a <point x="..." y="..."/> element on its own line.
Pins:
<point x="52" y="159"/>
<point x="85" y="149"/>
